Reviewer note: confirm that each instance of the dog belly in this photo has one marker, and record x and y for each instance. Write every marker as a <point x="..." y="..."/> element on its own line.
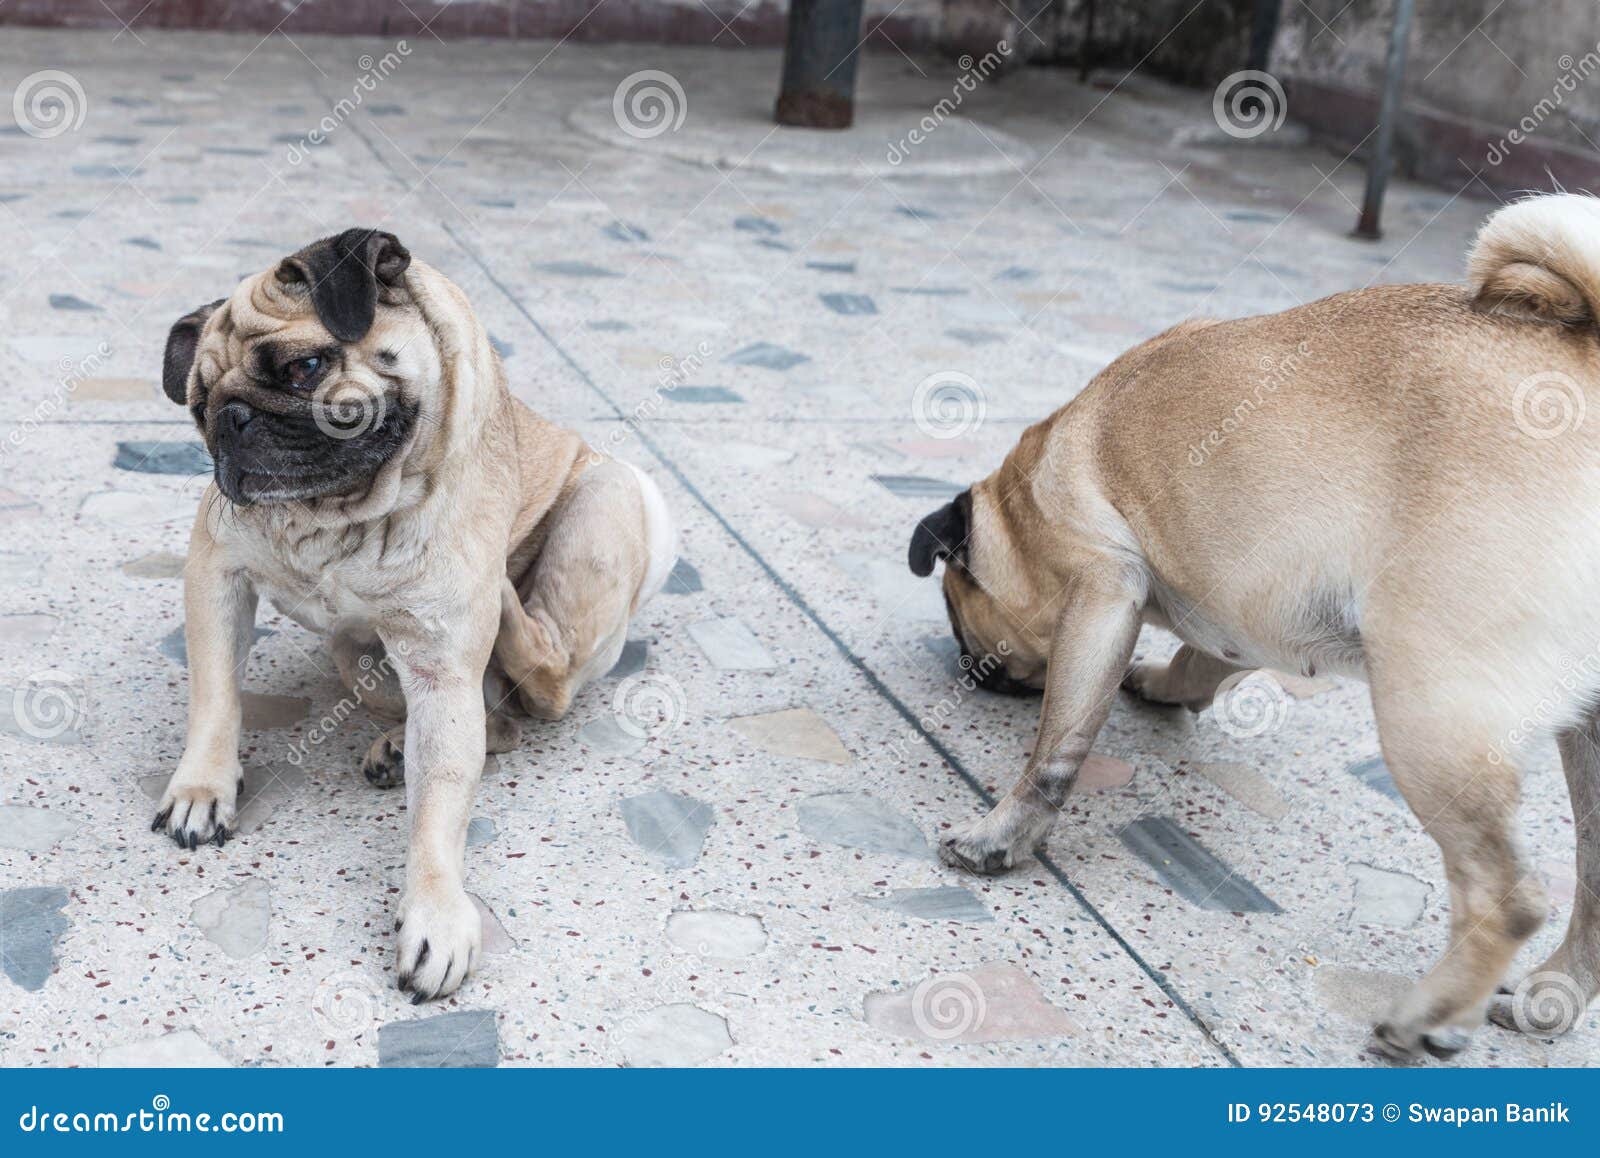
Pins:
<point x="1318" y="642"/>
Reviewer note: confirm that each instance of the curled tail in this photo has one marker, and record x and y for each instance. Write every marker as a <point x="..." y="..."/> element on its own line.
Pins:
<point x="1540" y="258"/>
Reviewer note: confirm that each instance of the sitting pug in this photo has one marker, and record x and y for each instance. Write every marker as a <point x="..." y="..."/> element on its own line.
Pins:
<point x="378" y="482"/>
<point x="1395" y="483"/>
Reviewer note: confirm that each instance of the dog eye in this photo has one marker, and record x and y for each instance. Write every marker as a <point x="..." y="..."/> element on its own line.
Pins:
<point x="303" y="371"/>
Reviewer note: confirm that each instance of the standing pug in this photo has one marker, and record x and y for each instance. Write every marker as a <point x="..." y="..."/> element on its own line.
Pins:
<point x="378" y="482"/>
<point x="1396" y="483"/>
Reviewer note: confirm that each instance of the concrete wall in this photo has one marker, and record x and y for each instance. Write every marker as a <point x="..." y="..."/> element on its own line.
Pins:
<point x="1501" y="89"/>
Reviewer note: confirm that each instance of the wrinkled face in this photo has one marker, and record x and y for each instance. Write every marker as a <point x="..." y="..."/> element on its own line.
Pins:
<point x="312" y="376"/>
<point x="996" y="648"/>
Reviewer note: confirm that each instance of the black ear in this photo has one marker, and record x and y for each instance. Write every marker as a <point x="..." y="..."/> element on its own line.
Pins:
<point x="942" y="535"/>
<point x="182" y="341"/>
<point x="342" y="274"/>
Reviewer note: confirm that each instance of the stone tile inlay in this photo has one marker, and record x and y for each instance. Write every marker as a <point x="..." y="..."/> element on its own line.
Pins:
<point x="1103" y="774"/>
<point x="31" y="922"/>
<point x="606" y="735"/>
<point x="156" y="565"/>
<point x="26" y="630"/>
<point x="671" y="828"/>
<point x="850" y="305"/>
<point x="703" y="395"/>
<point x="634" y="654"/>
<point x="714" y="933"/>
<point x="181" y="1049"/>
<point x="1248" y="786"/>
<point x="186" y="458"/>
<point x="858" y="820"/>
<point x="466" y="1039"/>
<point x="915" y="486"/>
<point x="51" y="708"/>
<point x="236" y="919"/>
<point x="33" y="829"/>
<point x="265" y="787"/>
<point x="684" y="579"/>
<point x="1374" y="773"/>
<point x="1383" y="897"/>
<point x="996" y="1001"/>
<point x="674" y="1035"/>
<point x="1191" y="870"/>
<point x="731" y="646"/>
<point x="945" y="903"/>
<point x="766" y="355"/>
<point x="796" y="732"/>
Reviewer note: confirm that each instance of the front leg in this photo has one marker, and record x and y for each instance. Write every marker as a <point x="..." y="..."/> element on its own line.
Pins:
<point x="219" y="607"/>
<point x="439" y="932"/>
<point x="1093" y="641"/>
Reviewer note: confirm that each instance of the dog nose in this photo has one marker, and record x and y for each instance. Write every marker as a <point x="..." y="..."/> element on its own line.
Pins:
<point x="235" y="417"/>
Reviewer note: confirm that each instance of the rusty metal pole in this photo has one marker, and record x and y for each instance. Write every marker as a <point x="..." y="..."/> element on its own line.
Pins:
<point x="819" y="64"/>
<point x="1394" y="75"/>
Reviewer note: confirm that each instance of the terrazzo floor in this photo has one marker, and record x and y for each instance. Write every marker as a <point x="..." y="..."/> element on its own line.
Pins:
<point x="723" y="855"/>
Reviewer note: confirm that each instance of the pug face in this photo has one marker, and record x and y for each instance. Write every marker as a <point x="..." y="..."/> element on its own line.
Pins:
<point x="982" y="598"/>
<point x="312" y="377"/>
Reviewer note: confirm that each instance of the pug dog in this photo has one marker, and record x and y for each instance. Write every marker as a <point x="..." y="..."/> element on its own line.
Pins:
<point x="1395" y="484"/>
<point x="376" y="480"/>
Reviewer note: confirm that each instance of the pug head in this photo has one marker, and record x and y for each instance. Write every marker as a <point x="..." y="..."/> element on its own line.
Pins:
<point x="313" y="376"/>
<point x="986" y="593"/>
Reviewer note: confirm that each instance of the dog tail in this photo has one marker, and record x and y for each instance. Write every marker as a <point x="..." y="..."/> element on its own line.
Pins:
<point x="1540" y="258"/>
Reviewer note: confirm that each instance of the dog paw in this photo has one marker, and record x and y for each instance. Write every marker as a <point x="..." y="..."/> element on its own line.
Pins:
<point x="384" y="765"/>
<point x="970" y="850"/>
<point x="438" y="940"/>
<point x="196" y="813"/>
<point x="1410" y="1046"/>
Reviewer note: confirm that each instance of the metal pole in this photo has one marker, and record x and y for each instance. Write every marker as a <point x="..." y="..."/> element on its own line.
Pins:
<point x="1388" y="114"/>
<point x="1263" y="30"/>
<point x="819" y="64"/>
<point x="1086" y="54"/>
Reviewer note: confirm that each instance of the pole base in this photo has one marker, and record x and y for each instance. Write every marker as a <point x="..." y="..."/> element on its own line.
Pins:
<point x="815" y="110"/>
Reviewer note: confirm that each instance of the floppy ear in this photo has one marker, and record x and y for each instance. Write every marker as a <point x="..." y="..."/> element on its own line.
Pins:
<point x="941" y="535"/>
<point x="182" y="342"/>
<point x="342" y="274"/>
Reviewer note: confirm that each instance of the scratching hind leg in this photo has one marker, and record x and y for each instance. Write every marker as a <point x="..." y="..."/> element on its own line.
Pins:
<point x="1189" y="678"/>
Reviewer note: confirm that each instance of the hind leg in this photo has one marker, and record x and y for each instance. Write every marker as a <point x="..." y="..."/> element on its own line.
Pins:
<point x="606" y="550"/>
<point x="365" y="669"/>
<point x="1553" y="998"/>
<point x="1438" y="735"/>
<point x="1190" y="678"/>
<point x="384" y="765"/>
